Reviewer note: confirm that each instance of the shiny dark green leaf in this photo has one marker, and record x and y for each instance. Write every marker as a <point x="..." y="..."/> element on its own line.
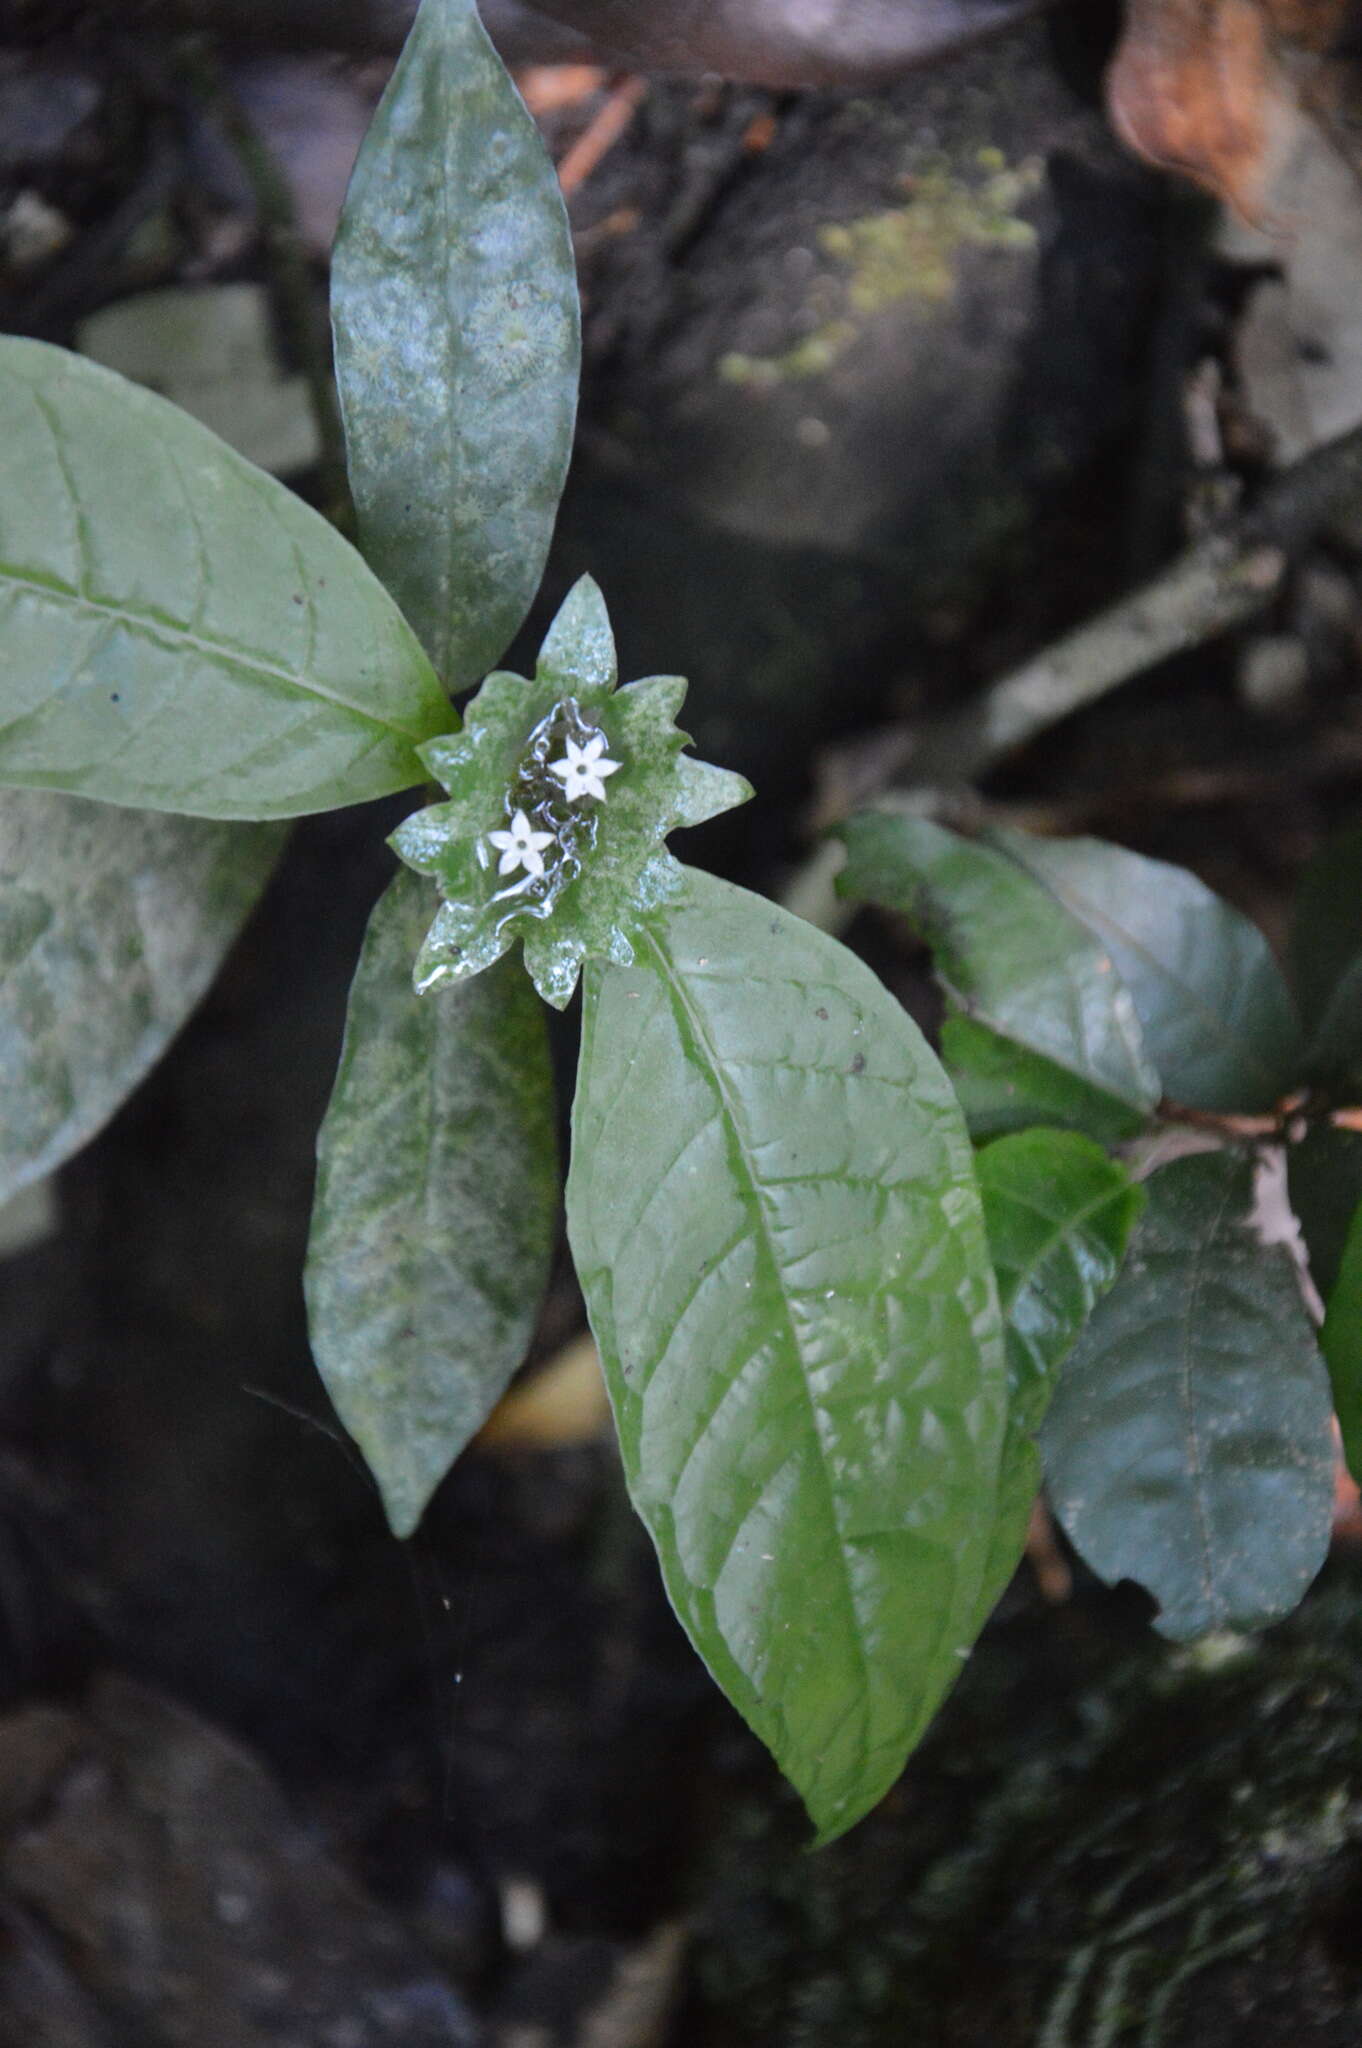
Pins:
<point x="177" y="631"/>
<point x="1340" y="1340"/>
<point x="1217" y="1017"/>
<point x="1324" y="1182"/>
<point x="1003" y="1088"/>
<point x="1059" y="1216"/>
<point x="437" y="1190"/>
<point x="1188" y="1445"/>
<point x="112" y="925"/>
<point x="1326" y="956"/>
<point x="778" y="1231"/>
<point x="1007" y="955"/>
<point x="454" y="303"/>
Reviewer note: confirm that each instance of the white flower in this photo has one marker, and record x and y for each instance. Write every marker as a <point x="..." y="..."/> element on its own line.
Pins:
<point x="584" y="770"/>
<point x="521" y="847"/>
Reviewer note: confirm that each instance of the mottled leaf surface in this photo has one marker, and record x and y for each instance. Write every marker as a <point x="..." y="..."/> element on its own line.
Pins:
<point x="437" y="1193"/>
<point x="1002" y="1087"/>
<point x="458" y="347"/>
<point x="1059" y="1216"/>
<point x="1217" y="1017"/>
<point x="177" y="631"/>
<point x="778" y="1231"/>
<point x="1326" y="956"/>
<point x="112" y="925"/>
<point x="1340" y="1339"/>
<point x="1007" y="955"/>
<point x="1188" y="1444"/>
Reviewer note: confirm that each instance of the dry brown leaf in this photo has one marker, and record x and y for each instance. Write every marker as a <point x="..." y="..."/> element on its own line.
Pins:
<point x="1211" y="87"/>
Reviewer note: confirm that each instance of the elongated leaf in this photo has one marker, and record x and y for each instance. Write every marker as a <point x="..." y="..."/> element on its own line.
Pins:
<point x="1326" y="956"/>
<point x="1005" y="952"/>
<point x="112" y="925"/>
<point x="1217" y="1016"/>
<point x="1188" y="1445"/>
<point x="458" y="345"/>
<point x="778" y="1231"/>
<point x="437" y="1190"/>
<point x="1324" y="1181"/>
<point x="177" y="631"/>
<point x="1002" y="1087"/>
<point x="1340" y="1339"/>
<point x="1059" y="1216"/>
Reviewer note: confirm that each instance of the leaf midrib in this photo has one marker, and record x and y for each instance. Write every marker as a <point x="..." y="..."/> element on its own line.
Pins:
<point x="178" y="637"/>
<point x="675" y="983"/>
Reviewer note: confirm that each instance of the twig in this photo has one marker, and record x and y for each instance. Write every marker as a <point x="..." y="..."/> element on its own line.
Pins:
<point x="1214" y="585"/>
<point x="597" y="140"/>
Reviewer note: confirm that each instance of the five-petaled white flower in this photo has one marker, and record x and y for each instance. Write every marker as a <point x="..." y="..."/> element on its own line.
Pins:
<point x="521" y="847"/>
<point x="583" y="771"/>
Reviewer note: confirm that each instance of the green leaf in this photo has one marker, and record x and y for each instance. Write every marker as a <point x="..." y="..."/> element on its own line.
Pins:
<point x="603" y="856"/>
<point x="1326" y="957"/>
<point x="437" y="1193"/>
<point x="1324" y="1182"/>
<point x="1006" y="954"/>
<point x="112" y="925"/>
<point x="1059" y="1216"/>
<point x="458" y="344"/>
<point x="177" y="631"/>
<point x="1004" y="1088"/>
<point x="778" y="1232"/>
<point x="1188" y="1445"/>
<point x="1340" y="1339"/>
<point x="1217" y="1016"/>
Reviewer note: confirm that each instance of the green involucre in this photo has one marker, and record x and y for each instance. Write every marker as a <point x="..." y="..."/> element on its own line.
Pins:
<point x="606" y="862"/>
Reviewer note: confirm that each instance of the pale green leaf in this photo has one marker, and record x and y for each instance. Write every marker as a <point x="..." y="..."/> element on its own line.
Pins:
<point x="112" y="925"/>
<point x="177" y="631"/>
<point x="1188" y="1445"/>
<point x="1002" y="1087"/>
<point x="778" y="1231"/>
<point x="437" y="1191"/>
<point x="1059" y="1216"/>
<point x="458" y="346"/>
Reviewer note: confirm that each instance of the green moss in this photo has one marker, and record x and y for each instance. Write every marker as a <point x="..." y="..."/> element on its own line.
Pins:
<point x="907" y="252"/>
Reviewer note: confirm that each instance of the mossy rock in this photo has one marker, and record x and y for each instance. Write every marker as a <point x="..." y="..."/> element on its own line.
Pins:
<point x="1169" y="1856"/>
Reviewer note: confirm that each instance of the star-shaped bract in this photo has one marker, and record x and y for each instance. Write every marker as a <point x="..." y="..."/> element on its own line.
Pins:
<point x="603" y="861"/>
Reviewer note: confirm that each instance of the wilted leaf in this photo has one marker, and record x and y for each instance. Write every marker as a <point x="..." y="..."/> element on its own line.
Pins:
<point x="1188" y="1445"/>
<point x="1009" y="956"/>
<point x="1195" y="88"/>
<point x="180" y="633"/>
<point x="437" y="1190"/>
<point x="1059" y="1215"/>
<point x="1217" y="1017"/>
<point x="458" y="346"/>
<point x="777" y="1228"/>
<point x="112" y="925"/>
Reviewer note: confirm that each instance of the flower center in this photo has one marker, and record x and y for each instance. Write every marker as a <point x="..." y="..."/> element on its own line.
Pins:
<point x="544" y="799"/>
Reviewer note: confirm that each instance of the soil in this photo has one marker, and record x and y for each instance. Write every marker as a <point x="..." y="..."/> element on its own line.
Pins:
<point x="883" y="390"/>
